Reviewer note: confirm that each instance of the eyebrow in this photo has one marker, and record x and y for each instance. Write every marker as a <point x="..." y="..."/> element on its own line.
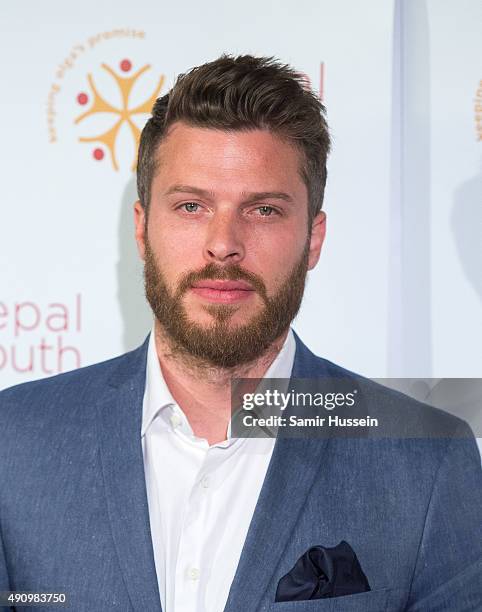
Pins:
<point x="249" y="197"/>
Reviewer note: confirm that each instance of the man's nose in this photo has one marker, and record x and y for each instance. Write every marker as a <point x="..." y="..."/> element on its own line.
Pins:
<point x="223" y="240"/>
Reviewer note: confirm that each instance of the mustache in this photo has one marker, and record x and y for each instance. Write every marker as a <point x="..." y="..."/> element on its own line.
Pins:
<point x="213" y="271"/>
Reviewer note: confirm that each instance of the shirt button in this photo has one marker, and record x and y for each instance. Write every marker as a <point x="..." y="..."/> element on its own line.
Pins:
<point x="193" y="573"/>
<point x="205" y="482"/>
<point x="175" y="420"/>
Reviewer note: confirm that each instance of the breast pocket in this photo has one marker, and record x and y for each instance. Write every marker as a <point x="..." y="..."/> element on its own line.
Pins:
<point x="371" y="601"/>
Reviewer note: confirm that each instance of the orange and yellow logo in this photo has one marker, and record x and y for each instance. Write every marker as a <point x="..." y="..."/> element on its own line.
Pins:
<point x="123" y="113"/>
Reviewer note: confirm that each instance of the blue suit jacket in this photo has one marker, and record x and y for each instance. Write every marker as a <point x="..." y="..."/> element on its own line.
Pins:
<point x="74" y="514"/>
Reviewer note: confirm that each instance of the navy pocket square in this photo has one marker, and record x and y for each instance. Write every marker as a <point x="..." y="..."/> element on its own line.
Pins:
<point x="323" y="572"/>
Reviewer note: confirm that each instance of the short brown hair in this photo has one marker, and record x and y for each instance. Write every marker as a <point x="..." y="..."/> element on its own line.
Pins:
<point x="243" y="93"/>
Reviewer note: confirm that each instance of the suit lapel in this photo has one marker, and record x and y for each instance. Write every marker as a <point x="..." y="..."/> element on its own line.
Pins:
<point x="120" y="415"/>
<point x="290" y="476"/>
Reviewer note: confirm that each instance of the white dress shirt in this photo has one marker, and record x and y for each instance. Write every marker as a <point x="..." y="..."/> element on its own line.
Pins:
<point x="201" y="498"/>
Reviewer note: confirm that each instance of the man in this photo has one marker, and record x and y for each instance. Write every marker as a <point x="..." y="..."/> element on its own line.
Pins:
<point x="121" y="484"/>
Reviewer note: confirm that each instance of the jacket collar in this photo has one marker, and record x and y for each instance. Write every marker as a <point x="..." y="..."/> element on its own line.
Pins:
<point x="119" y="418"/>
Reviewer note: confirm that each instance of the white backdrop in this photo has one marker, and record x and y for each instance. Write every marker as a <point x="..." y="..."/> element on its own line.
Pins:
<point x="397" y="290"/>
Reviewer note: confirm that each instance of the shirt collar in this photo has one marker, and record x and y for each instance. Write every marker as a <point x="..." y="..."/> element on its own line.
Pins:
<point x="156" y="395"/>
<point x="158" y="398"/>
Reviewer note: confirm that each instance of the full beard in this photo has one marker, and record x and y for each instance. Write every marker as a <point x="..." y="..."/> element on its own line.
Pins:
<point x="221" y="344"/>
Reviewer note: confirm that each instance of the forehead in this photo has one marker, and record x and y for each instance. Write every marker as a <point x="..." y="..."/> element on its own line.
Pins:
<point x="258" y="159"/>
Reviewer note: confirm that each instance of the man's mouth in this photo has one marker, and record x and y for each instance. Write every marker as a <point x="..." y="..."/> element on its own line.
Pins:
<point x="223" y="291"/>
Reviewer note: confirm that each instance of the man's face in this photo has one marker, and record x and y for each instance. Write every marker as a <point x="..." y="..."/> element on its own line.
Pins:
<point x="226" y="245"/>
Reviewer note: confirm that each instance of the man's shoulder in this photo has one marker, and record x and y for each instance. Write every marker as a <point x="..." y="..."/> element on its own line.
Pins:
<point x="79" y="386"/>
<point x="402" y="415"/>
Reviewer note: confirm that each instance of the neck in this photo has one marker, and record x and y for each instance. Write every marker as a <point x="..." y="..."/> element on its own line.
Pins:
<point x="203" y="391"/>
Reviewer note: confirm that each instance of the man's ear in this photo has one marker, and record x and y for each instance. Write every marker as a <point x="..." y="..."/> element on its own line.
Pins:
<point x="140" y="232"/>
<point x="318" y="230"/>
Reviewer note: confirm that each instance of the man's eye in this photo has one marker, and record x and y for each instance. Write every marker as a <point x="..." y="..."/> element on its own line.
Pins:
<point x="266" y="211"/>
<point x="190" y="206"/>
